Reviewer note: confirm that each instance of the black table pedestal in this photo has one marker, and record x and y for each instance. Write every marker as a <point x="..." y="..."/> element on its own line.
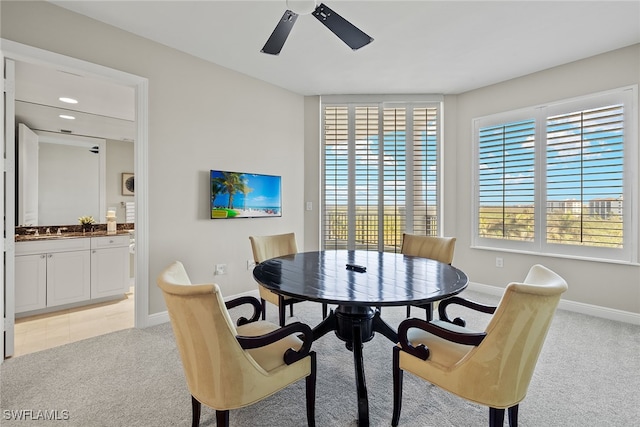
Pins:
<point x="389" y="279"/>
<point x="356" y="325"/>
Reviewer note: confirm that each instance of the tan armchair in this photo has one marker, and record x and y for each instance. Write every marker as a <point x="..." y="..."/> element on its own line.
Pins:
<point x="491" y="368"/>
<point x="229" y="367"/>
<point x="267" y="247"/>
<point x="438" y="248"/>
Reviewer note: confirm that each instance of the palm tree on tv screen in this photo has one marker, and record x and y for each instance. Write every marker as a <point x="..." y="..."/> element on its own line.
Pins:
<point x="233" y="183"/>
<point x="217" y="187"/>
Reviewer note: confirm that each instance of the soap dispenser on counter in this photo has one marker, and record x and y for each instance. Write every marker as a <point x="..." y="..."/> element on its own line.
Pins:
<point x="111" y="221"/>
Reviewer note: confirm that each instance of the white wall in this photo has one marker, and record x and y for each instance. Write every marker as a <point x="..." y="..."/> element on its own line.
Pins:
<point x="602" y="284"/>
<point x="201" y="117"/>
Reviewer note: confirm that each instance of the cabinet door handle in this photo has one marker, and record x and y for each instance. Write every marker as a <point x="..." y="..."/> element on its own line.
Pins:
<point x="43" y="256"/>
<point x="49" y="256"/>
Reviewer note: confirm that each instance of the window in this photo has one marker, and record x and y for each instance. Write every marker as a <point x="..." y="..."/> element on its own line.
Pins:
<point x="380" y="166"/>
<point x="557" y="179"/>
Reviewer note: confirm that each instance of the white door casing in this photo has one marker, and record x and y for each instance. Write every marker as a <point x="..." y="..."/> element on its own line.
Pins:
<point x="16" y="51"/>
<point x="7" y="269"/>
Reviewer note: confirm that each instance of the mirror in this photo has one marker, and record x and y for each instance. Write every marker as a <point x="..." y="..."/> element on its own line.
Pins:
<point x="59" y="177"/>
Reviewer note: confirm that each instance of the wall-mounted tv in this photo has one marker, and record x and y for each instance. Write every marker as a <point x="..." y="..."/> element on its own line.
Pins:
<point x="244" y="195"/>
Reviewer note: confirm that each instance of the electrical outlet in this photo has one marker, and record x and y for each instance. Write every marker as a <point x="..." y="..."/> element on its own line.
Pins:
<point x="250" y="264"/>
<point x="499" y="262"/>
<point x="220" y="269"/>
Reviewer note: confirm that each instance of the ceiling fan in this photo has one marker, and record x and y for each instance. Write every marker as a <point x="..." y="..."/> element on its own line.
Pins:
<point x="345" y="30"/>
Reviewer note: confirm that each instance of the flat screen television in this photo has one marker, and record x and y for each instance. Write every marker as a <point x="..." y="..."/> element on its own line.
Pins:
<point x="244" y="195"/>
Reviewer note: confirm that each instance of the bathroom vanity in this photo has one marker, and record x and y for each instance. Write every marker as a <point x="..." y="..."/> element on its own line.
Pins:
<point x="73" y="269"/>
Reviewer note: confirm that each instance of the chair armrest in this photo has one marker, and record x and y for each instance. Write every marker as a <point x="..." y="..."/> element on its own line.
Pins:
<point x="421" y="351"/>
<point x="291" y="355"/>
<point x="257" y="308"/>
<point x="442" y="307"/>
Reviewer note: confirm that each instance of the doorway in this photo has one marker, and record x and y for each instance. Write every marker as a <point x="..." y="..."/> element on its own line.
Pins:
<point x="18" y="52"/>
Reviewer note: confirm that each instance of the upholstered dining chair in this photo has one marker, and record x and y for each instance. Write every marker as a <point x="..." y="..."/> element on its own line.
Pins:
<point x="227" y="366"/>
<point x="437" y="248"/>
<point x="491" y="368"/>
<point x="267" y="247"/>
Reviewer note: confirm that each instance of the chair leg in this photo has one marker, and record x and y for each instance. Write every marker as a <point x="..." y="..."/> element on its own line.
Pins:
<point x="496" y="417"/>
<point x="513" y="416"/>
<point x="397" y="387"/>
<point x="311" y="392"/>
<point x="324" y="310"/>
<point x="291" y="310"/>
<point x="408" y="311"/>
<point x="195" y="411"/>
<point x="429" y="311"/>
<point x="264" y="308"/>
<point x="222" y="418"/>
<point x="282" y="310"/>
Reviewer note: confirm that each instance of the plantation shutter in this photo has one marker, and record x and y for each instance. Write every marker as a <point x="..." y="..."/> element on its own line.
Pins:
<point x="336" y="163"/>
<point x="366" y="170"/>
<point x="425" y="172"/>
<point x="380" y="174"/>
<point x="506" y="187"/>
<point x="585" y="177"/>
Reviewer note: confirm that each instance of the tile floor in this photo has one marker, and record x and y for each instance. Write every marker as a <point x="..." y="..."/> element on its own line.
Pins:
<point x="44" y="331"/>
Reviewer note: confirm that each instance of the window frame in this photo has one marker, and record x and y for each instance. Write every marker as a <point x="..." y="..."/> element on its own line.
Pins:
<point x="628" y="254"/>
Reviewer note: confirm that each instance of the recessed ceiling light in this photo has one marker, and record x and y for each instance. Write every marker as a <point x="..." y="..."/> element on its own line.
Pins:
<point x="64" y="116"/>
<point x="68" y="100"/>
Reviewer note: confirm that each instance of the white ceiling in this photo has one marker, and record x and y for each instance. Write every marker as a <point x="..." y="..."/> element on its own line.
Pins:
<point x="441" y="47"/>
<point x="104" y="109"/>
<point x="428" y="47"/>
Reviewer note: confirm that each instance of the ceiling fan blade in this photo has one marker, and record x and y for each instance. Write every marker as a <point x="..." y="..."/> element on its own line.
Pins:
<point x="345" y="30"/>
<point x="273" y="46"/>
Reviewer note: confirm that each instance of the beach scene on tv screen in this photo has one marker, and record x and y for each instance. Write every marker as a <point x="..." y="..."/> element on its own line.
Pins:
<point x="244" y="195"/>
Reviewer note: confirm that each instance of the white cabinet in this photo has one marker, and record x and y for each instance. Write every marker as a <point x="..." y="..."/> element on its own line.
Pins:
<point x="68" y="275"/>
<point x="52" y="272"/>
<point x="62" y="271"/>
<point x="31" y="282"/>
<point x="109" y="266"/>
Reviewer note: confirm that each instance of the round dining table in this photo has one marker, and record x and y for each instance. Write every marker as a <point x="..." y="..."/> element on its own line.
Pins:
<point x="359" y="282"/>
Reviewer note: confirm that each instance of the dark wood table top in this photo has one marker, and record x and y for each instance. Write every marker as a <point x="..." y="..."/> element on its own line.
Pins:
<point x="390" y="279"/>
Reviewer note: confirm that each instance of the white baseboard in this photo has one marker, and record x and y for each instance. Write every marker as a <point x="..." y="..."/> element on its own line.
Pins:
<point x="577" y="307"/>
<point x="163" y="316"/>
<point x="157" y="318"/>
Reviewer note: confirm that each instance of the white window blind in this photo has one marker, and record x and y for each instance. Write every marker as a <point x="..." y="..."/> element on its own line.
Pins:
<point x="557" y="179"/>
<point x="380" y="174"/>
<point x="585" y="177"/>
<point x="506" y="181"/>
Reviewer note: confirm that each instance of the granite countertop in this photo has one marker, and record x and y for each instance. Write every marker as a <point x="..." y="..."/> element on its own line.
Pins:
<point x="27" y="234"/>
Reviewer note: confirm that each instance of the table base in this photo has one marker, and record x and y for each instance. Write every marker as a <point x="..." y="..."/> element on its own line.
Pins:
<point x="356" y="325"/>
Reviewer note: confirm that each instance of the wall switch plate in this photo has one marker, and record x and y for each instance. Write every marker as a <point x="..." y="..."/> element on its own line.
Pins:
<point x="309" y="206"/>
<point x="499" y="262"/>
